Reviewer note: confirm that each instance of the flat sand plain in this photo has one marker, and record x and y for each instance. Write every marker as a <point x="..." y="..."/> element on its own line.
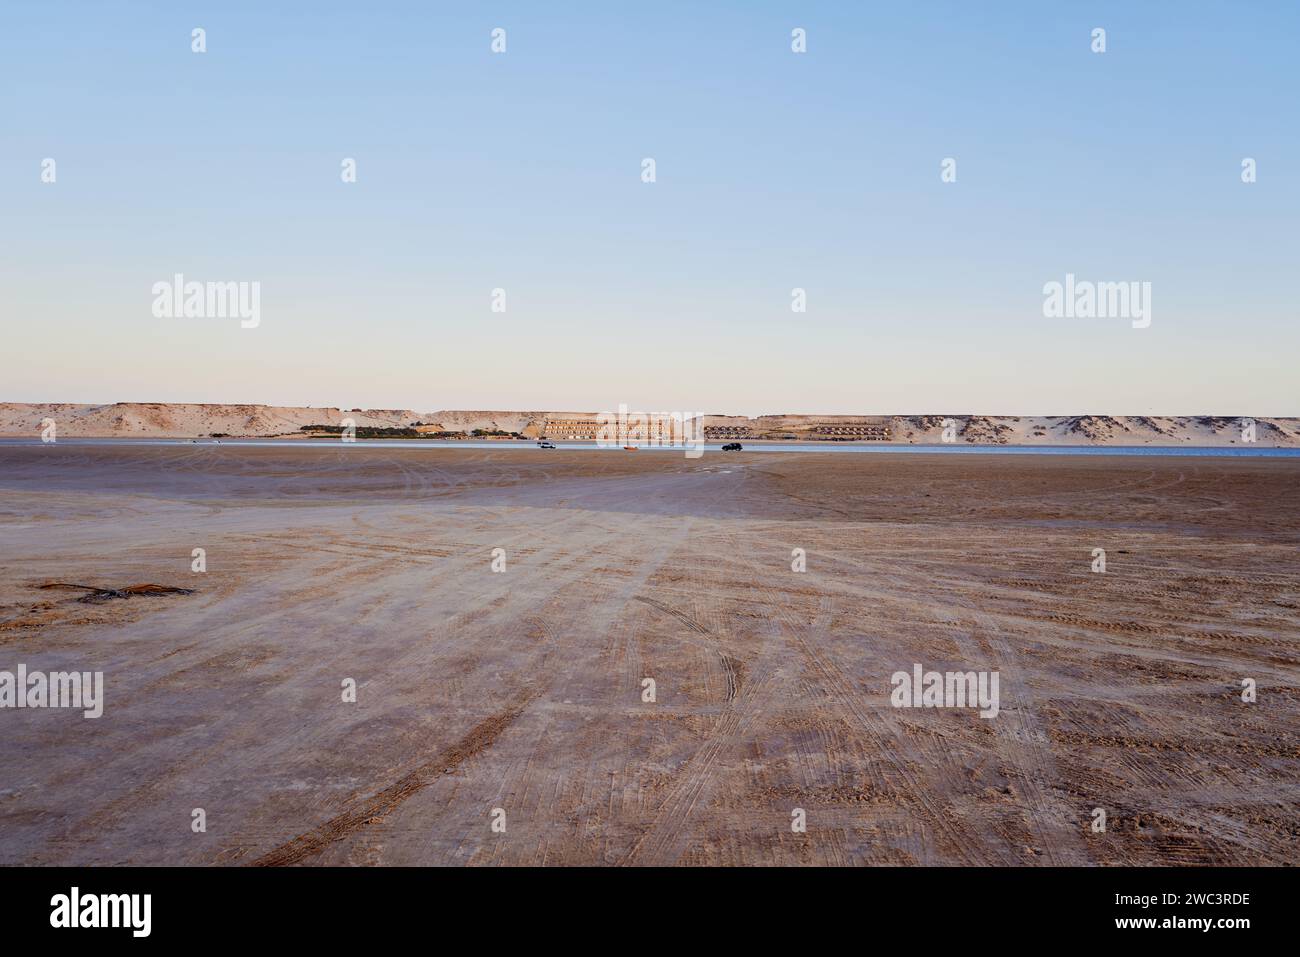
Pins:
<point x="522" y="690"/>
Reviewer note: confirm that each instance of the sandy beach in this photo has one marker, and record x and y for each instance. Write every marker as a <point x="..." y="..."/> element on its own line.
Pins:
<point x="522" y="689"/>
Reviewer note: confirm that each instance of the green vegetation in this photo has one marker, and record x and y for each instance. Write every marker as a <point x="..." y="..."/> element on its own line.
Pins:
<point x="367" y="431"/>
<point x="378" y="432"/>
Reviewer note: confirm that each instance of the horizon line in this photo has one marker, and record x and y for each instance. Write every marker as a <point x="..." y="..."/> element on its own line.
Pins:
<point x="639" y="411"/>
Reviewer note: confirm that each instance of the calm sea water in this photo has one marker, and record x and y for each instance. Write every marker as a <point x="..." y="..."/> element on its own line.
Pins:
<point x="835" y="447"/>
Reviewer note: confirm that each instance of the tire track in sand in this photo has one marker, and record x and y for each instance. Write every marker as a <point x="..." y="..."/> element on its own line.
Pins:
<point x="1026" y="746"/>
<point x="666" y="839"/>
<point x="813" y="640"/>
<point x="525" y="774"/>
<point x="937" y="812"/>
<point x="479" y="739"/>
<point x="728" y="663"/>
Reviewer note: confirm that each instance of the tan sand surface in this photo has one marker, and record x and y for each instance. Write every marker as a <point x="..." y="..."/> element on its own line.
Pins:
<point x="522" y="690"/>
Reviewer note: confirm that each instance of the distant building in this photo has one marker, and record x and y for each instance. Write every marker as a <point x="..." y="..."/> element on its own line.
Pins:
<point x="651" y="429"/>
<point x="728" y="432"/>
<point x="847" y="429"/>
<point x="861" y="430"/>
<point x="572" y="430"/>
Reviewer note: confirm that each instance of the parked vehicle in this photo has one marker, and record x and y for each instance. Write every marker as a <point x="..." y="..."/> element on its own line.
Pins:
<point x="732" y="447"/>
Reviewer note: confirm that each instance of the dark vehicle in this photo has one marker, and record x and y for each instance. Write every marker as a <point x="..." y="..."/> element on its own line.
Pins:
<point x="732" y="447"/>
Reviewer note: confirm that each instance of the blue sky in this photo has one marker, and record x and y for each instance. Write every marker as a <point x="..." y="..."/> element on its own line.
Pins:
<point x="775" y="170"/>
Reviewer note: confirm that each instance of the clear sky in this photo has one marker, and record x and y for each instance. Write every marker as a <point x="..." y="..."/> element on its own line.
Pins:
<point x="775" y="170"/>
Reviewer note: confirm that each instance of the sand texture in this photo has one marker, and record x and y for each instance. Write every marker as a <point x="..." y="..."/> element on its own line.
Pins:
<point x="522" y="689"/>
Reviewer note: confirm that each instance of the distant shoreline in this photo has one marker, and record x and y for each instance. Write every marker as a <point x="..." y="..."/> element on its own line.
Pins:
<point x="878" y="448"/>
<point x="183" y="421"/>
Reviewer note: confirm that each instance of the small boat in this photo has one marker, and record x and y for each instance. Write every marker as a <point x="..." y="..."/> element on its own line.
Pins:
<point x="629" y="448"/>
